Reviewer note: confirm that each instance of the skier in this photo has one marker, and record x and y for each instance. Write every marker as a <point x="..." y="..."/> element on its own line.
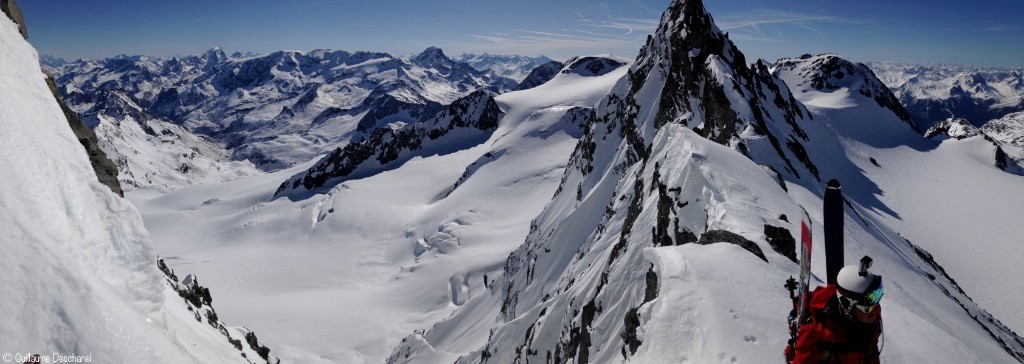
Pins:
<point x="844" y="320"/>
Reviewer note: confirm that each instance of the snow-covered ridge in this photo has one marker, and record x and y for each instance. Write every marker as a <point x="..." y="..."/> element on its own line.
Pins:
<point x="198" y="301"/>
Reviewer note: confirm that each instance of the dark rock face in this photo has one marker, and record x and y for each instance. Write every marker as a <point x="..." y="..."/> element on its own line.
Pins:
<point x="781" y="240"/>
<point x="724" y="236"/>
<point x="388" y="147"/>
<point x="105" y="169"/>
<point x="540" y="75"/>
<point x="10" y="8"/>
<point x="385" y="107"/>
<point x="591" y="66"/>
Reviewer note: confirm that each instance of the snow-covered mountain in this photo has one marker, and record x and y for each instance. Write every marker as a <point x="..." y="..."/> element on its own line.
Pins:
<point x="932" y="93"/>
<point x="149" y="152"/>
<point x="654" y="248"/>
<point x="540" y="75"/>
<point x="1009" y="132"/>
<point x="51" y="61"/>
<point x="955" y="128"/>
<point x="282" y="108"/>
<point x="826" y="73"/>
<point x="515" y="67"/>
<point x="83" y="282"/>
<point x="960" y="129"/>
<point x="465" y="123"/>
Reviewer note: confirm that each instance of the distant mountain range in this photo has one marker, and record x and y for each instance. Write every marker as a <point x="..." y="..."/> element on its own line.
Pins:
<point x="515" y="67"/>
<point x="278" y="109"/>
<point x="932" y="93"/>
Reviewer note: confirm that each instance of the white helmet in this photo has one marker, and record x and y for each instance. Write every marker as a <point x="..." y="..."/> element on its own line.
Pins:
<point x="856" y="283"/>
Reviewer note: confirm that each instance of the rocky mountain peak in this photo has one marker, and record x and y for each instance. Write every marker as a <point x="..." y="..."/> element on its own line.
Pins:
<point x="956" y="128"/>
<point x="431" y="55"/>
<point x="689" y="16"/>
<point x="115" y="104"/>
<point x="540" y="75"/>
<point x="215" y="55"/>
<point x="592" y="65"/>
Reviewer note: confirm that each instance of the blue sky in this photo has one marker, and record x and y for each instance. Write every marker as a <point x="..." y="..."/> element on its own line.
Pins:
<point x="987" y="33"/>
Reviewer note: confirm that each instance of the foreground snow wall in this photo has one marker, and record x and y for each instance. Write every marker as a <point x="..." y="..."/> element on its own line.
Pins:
<point x="79" y="275"/>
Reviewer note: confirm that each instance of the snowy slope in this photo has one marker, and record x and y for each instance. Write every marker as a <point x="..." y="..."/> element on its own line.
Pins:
<point x="164" y="155"/>
<point x="654" y="249"/>
<point x="941" y="193"/>
<point x="82" y="276"/>
<point x="280" y="108"/>
<point x="149" y="152"/>
<point x="343" y="275"/>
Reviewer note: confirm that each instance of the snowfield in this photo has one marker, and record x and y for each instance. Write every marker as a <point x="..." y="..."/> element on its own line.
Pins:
<point x="342" y="276"/>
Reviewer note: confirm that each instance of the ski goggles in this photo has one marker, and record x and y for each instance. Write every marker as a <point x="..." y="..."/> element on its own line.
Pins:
<point x="869" y="301"/>
<point x="874" y="293"/>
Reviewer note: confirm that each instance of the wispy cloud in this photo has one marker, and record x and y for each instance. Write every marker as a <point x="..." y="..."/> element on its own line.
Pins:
<point x="757" y="23"/>
<point x="644" y="7"/>
<point x="1002" y="28"/>
<point x="767" y="25"/>
<point x="607" y="21"/>
<point x="597" y="33"/>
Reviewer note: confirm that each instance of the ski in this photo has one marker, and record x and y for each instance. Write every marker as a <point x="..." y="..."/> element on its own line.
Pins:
<point x="802" y="295"/>
<point x="805" y="267"/>
<point x="833" y="225"/>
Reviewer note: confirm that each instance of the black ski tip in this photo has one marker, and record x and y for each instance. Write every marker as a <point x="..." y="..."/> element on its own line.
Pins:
<point x="833" y="184"/>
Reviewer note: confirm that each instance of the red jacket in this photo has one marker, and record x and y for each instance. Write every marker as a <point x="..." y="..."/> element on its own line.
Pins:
<point x="829" y="337"/>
